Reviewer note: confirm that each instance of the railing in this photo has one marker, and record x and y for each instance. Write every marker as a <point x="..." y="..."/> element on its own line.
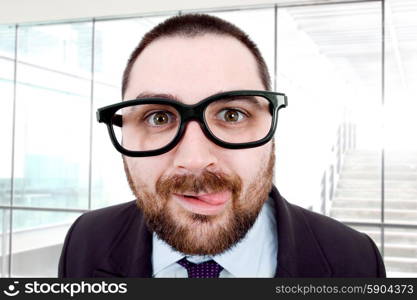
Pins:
<point x="345" y="140"/>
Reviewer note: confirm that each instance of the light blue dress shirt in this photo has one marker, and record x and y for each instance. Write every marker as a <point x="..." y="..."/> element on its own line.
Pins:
<point x="254" y="256"/>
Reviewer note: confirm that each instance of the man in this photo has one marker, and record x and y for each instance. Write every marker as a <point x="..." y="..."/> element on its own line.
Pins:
<point x="195" y="128"/>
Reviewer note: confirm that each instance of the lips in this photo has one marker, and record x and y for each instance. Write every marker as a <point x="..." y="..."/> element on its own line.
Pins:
<point x="207" y="204"/>
<point x="212" y="199"/>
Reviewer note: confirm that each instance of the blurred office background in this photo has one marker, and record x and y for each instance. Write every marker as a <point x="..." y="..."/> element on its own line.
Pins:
<point x="346" y="144"/>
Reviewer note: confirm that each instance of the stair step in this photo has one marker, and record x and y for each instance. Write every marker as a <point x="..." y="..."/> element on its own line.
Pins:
<point x="357" y="198"/>
<point x="394" y="185"/>
<point x="390" y="160"/>
<point x="376" y="160"/>
<point x="377" y="175"/>
<point x="390" y="237"/>
<point x="400" y="264"/>
<point x="392" y="155"/>
<point x="401" y="274"/>
<point x="375" y="194"/>
<point x="373" y="203"/>
<point x="369" y="220"/>
<point x="375" y="214"/>
<point x="357" y="167"/>
<point x="399" y="250"/>
<point x="374" y="219"/>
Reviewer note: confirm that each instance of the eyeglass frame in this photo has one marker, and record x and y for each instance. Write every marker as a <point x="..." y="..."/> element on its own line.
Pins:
<point x="189" y="112"/>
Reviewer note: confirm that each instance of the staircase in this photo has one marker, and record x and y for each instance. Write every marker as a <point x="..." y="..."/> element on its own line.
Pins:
<point x="357" y="198"/>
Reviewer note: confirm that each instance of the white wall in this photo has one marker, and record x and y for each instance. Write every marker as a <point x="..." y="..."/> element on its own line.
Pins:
<point x="24" y="11"/>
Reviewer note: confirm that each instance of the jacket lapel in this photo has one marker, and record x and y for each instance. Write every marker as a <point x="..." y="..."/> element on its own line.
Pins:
<point x="299" y="253"/>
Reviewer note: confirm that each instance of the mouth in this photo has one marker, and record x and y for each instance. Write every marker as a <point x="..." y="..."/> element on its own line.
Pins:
<point x="204" y="204"/>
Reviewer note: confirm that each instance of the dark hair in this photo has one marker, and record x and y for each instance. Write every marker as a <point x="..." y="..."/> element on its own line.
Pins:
<point x="191" y="25"/>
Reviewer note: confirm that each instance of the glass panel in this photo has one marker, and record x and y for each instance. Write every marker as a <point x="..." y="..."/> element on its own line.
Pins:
<point x="7" y="42"/>
<point x="61" y="47"/>
<point x="4" y="242"/>
<point x="37" y="241"/>
<point x="113" y="45"/>
<point x="53" y="116"/>
<point x="401" y="252"/>
<point x="259" y="25"/>
<point x="399" y="112"/>
<point x="328" y="141"/>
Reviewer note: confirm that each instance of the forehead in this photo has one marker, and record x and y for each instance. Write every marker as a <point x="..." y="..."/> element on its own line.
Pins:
<point x="192" y="68"/>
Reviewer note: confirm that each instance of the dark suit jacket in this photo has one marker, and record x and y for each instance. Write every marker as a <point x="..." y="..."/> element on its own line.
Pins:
<point x="115" y="242"/>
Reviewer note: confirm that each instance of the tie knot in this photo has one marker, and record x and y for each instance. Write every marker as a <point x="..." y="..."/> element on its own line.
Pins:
<point x="208" y="269"/>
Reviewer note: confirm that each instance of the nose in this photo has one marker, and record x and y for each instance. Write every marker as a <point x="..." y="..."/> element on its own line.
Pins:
<point x="194" y="153"/>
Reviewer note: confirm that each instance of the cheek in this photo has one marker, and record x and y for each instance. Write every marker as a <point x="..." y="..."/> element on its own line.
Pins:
<point x="246" y="163"/>
<point x="147" y="170"/>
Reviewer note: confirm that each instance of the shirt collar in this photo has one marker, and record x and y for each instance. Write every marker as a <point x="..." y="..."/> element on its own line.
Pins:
<point x="163" y="255"/>
<point x="256" y="253"/>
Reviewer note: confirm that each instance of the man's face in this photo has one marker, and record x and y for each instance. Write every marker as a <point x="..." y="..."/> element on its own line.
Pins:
<point x="198" y="197"/>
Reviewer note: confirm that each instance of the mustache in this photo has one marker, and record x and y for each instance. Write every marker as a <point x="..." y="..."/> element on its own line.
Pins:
<point x="207" y="182"/>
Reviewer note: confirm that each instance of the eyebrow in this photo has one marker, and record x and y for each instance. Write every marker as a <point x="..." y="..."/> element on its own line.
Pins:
<point x="252" y="99"/>
<point x="158" y="95"/>
<point x="175" y="98"/>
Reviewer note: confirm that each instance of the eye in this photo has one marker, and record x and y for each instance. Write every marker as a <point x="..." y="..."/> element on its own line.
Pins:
<point x="231" y="115"/>
<point x="160" y="118"/>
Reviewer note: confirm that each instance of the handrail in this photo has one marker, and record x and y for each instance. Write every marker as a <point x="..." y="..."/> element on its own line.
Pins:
<point x="344" y="141"/>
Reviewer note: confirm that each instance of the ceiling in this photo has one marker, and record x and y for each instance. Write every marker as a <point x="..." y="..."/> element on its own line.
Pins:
<point x="353" y="33"/>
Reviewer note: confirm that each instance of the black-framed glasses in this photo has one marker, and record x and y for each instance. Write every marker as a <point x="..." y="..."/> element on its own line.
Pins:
<point x="153" y="126"/>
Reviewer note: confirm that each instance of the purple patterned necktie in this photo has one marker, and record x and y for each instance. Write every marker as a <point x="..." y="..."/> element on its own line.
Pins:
<point x="208" y="269"/>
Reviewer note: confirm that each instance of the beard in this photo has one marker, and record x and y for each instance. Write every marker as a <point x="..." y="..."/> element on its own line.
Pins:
<point x="198" y="234"/>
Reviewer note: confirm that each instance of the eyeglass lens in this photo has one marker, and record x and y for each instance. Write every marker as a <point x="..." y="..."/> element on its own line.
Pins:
<point x="147" y="127"/>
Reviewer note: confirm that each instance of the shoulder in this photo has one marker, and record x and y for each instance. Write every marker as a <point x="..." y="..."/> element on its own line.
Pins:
<point x="111" y="216"/>
<point x="103" y="224"/>
<point x="326" y="228"/>
<point x="92" y="236"/>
